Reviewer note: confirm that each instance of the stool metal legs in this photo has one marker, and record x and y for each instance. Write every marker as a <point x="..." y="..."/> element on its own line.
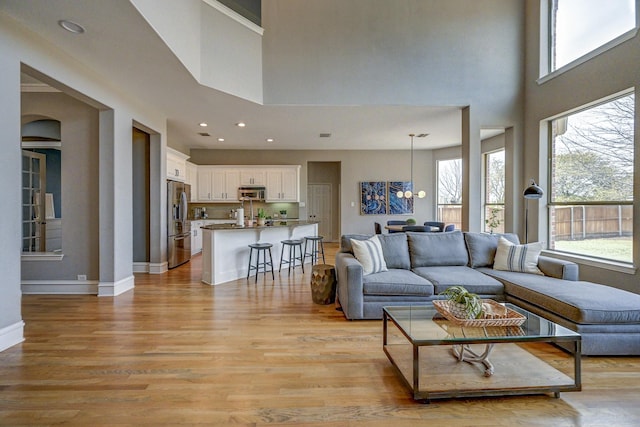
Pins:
<point x="260" y="266"/>
<point x="317" y="249"/>
<point x="291" y="262"/>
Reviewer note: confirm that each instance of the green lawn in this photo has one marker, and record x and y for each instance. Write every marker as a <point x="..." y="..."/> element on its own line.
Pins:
<point x="615" y="248"/>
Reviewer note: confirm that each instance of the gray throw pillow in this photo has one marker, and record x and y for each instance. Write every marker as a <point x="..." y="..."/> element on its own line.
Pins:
<point x="345" y="241"/>
<point x="396" y="250"/>
<point x="437" y="249"/>
<point x="482" y="247"/>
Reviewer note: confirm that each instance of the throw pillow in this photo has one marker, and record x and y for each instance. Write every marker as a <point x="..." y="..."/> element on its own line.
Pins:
<point x="520" y="258"/>
<point x="369" y="253"/>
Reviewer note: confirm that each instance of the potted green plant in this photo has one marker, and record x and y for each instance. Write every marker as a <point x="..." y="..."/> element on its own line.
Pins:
<point x="283" y="213"/>
<point x="463" y="304"/>
<point x="261" y="217"/>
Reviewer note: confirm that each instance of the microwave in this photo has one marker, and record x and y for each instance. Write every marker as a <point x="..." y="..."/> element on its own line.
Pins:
<point x="251" y="193"/>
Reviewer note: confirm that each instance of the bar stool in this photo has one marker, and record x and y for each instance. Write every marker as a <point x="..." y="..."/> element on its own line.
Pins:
<point x="291" y="262"/>
<point x="317" y="248"/>
<point x="260" y="248"/>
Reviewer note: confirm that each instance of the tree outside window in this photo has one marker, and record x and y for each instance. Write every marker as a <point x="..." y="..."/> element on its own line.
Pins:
<point x="494" y="192"/>
<point x="592" y="172"/>
<point x="450" y="192"/>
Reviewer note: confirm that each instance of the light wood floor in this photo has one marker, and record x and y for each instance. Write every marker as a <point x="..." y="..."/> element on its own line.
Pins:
<point x="175" y="351"/>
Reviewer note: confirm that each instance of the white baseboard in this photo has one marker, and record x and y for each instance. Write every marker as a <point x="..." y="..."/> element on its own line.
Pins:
<point x="112" y="289"/>
<point x="11" y="335"/>
<point x="158" y="268"/>
<point x="140" y="267"/>
<point x="61" y="287"/>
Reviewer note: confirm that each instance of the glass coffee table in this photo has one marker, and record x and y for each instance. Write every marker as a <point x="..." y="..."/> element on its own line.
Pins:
<point x="439" y="359"/>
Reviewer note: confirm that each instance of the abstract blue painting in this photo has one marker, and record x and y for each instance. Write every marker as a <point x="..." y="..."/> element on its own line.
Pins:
<point x="397" y="205"/>
<point x="373" y="198"/>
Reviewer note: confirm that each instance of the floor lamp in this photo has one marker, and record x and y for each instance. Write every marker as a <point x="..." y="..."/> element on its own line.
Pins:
<point x="531" y="192"/>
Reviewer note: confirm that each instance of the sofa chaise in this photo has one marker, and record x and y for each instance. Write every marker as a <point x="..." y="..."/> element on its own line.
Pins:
<point x="417" y="267"/>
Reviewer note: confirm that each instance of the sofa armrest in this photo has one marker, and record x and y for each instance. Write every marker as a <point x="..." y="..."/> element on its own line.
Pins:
<point x="558" y="268"/>
<point x="350" y="288"/>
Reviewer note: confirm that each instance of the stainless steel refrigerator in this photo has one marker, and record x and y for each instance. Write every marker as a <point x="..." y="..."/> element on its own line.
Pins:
<point x="179" y="227"/>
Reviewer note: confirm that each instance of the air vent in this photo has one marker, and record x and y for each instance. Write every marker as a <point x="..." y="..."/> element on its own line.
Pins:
<point x="325" y="135"/>
<point x="204" y="134"/>
<point x="422" y="135"/>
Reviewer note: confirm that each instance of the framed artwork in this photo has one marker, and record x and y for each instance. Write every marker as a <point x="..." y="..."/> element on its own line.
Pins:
<point x="397" y="205"/>
<point x="373" y="198"/>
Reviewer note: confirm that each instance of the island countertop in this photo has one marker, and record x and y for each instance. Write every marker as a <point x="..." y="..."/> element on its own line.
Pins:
<point x="274" y="224"/>
<point x="225" y="247"/>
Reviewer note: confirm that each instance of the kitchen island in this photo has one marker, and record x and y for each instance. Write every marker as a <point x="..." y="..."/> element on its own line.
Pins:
<point x="225" y="247"/>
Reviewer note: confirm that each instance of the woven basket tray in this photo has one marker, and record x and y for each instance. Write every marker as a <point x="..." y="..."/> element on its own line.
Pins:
<point x="513" y="318"/>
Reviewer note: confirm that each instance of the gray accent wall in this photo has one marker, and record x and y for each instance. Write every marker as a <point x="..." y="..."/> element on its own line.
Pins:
<point x="79" y="127"/>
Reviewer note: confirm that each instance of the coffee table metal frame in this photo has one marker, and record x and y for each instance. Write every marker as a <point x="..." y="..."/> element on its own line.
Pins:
<point x="427" y="313"/>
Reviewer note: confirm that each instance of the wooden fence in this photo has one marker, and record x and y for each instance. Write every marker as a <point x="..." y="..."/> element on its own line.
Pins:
<point x="587" y="222"/>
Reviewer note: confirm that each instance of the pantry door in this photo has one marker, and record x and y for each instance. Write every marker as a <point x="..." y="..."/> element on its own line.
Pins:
<point x="319" y="209"/>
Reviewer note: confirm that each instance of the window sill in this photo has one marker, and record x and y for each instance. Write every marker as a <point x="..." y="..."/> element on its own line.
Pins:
<point x="42" y="256"/>
<point x="620" y="267"/>
<point x="576" y="62"/>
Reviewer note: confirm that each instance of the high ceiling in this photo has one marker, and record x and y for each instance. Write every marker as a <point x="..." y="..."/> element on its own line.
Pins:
<point x="121" y="49"/>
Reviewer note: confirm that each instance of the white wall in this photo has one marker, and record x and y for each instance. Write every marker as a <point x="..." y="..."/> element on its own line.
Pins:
<point x="19" y="46"/>
<point x="608" y="73"/>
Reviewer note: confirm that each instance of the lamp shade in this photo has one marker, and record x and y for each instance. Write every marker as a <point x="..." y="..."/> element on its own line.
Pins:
<point x="533" y="191"/>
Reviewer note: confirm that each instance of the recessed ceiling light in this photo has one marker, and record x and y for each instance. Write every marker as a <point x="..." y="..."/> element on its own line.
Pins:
<point x="220" y="139"/>
<point x="269" y="139"/>
<point x="240" y="124"/>
<point x="71" y="26"/>
<point x="203" y="124"/>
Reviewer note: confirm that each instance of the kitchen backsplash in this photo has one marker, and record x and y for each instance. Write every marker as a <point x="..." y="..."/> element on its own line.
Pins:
<point x="223" y="210"/>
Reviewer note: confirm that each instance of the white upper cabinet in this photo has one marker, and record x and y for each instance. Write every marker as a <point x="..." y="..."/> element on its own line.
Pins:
<point x="220" y="183"/>
<point x="283" y="184"/>
<point x="252" y="176"/>
<point x="176" y="165"/>
<point x="192" y="180"/>
<point x="217" y="184"/>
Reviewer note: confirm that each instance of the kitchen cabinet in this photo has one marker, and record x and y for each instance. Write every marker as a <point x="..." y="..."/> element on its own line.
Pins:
<point x="283" y="184"/>
<point x="192" y="180"/>
<point x="176" y="165"/>
<point x="217" y="184"/>
<point x="196" y="237"/>
<point x="252" y="176"/>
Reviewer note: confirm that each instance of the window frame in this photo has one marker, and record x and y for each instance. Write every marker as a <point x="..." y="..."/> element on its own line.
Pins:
<point x="546" y="45"/>
<point x="439" y="206"/>
<point x="588" y="259"/>
<point x="486" y="204"/>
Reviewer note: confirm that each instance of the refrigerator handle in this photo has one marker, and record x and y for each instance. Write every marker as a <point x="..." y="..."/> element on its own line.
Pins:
<point x="183" y="207"/>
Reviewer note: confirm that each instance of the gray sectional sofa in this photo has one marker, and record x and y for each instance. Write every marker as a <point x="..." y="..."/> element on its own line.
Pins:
<point x="422" y="265"/>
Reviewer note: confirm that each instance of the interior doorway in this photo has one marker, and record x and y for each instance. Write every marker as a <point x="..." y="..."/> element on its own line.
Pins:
<point x="141" y="154"/>
<point x="323" y="198"/>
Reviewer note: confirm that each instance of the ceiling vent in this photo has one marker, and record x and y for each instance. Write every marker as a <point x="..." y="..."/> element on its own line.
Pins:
<point x="422" y="135"/>
<point x="325" y="135"/>
<point x="41" y="130"/>
<point x="204" y="134"/>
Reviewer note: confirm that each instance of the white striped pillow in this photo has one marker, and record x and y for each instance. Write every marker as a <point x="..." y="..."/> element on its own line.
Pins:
<point x="520" y="258"/>
<point x="369" y="253"/>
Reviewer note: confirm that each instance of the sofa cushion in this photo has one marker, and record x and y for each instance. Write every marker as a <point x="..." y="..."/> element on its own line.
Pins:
<point x="396" y="250"/>
<point x="369" y="253"/>
<point x="345" y="241"/>
<point x="482" y="247"/>
<point x="578" y="301"/>
<point x="520" y="258"/>
<point x="396" y="282"/>
<point x="447" y="276"/>
<point x="433" y="249"/>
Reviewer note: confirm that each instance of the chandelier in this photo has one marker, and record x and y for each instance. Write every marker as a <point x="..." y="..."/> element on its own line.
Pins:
<point x="407" y="194"/>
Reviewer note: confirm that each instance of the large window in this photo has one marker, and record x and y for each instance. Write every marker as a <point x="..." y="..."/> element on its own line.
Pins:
<point x="591" y="195"/>
<point x="450" y="192"/>
<point x="577" y="27"/>
<point x="494" y="192"/>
